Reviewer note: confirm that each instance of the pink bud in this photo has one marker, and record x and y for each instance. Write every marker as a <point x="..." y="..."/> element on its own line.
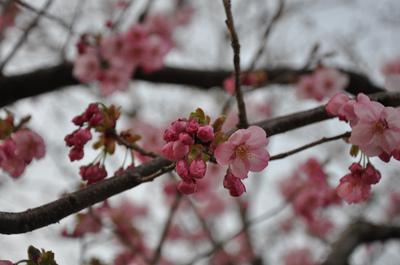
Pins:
<point x="90" y="111"/>
<point x="197" y="169"/>
<point x="96" y="120"/>
<point x="205" y="133"/>
<point x="186" y="138"/>
<point x="81" y="137"/>
<point x="76" y="154"/>
<point x="78" y="121"/>
<point x="192" y="126"/>
<point x="371" y="175"/>
<point x="175" y="150"/>
<point x="188" y="187"/>
<point x="182" y="170"/>
<point x="335" y="103"/>
<point x="233" y="184"/>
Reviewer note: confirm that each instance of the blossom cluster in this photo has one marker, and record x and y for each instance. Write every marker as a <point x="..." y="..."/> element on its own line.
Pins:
<point x="112" y="59"/>
<point x="186" y="141"/>
<point x="256" y="78"/>
<point x="323" y="82"/>
<point x="19" y="146"/>
<point x="356" y="186"/>
<point x="101" y="119"/>
<point x="308" y="191"/>
<point x="375" y="128"/>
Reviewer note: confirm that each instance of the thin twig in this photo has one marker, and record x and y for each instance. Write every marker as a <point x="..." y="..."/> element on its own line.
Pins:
<point x="25" y="35"/>
<point x="78" y="7"/>
<point x="164" y="234"/>
<point x="134" y="146"/>
<point x="121" y="16"/>
<point x="266" y="34"/>
<point x="45" y="15"/>
<point x="323" y="140"/>
<point x="236" y="61"/>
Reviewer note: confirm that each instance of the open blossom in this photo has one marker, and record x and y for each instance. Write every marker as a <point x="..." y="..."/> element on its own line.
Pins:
<point x="86" y="66"/>
<point x="378" y="129"/>
<point x="356" y="186"/>
<point x="245" y="151"/>
<point x="324" y="82"/>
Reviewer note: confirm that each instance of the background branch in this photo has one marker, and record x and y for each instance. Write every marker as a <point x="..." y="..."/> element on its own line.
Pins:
<point x="47" y="79"/>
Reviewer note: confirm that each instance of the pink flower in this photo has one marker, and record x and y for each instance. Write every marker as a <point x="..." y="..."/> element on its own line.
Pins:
<point x="352" y="187"/>
<point x="86" y="66"/>
<point x="305" y="88"/>
<point x="245" y="151"/>
<point x="392" y="82"/>
<point x="182" y="170"/>
<point x="175" y="150"/>
<point x="378" y="129"/>
<point x="324" y="82"/>
<point x="188" y="186"/>
<point x="197" y="169"/>
<point x="93" y="173"/>
<point x="370" y="175"/>
<point x="205" y="133"/>
<point x="81" y="137"/>
<point x="392" y="67"/>
<point x="329" y="81"/>
<point x="233" y="184"/>
<point x="173" y="132"/>
<point x="229" y="84"/>
<point x="29" y="145"/>
<point x="335" y="103"/>
<point x="76" y="154"/>
<point x="192" y="126"/>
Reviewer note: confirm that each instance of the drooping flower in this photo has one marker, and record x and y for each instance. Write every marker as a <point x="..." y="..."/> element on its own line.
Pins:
<point x="233" y="184"/>
<point x="245" y="151"/>
<point x="93" y="173"/>
<point x="352" y="187"/>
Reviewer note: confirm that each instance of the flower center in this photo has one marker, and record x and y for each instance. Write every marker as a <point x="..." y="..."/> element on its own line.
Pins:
<point x="242" y="152"/>
<point x="380" y="126"/>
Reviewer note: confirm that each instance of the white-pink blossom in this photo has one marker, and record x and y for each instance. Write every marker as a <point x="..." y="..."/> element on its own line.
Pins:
<point x="245" y="151"/>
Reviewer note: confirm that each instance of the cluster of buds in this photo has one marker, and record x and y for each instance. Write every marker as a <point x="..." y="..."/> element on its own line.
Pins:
<point x="19" y="146"/>
<point x="356" y="186"/>
<point x="186" y="141"/>
<point x="103" y="120"/>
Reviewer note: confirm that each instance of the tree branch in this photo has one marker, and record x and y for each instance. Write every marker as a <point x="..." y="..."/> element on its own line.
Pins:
<point x="36" y="82"/>
<point x="356" y="234"/>
<point x="31" y="219"/>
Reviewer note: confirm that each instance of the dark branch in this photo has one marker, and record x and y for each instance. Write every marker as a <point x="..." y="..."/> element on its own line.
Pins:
<point x="357" y="234"/>
<point x="31" y="219"/>
<point x="13" y="88"/>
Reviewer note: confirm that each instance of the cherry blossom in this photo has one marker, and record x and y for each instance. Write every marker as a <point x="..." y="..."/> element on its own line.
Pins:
<point x="233" y="184"/>
<point x="356" y="186"/>
<point x="391" y="67"/>
<point x="92" y="173"/>
<point x="324" y="82"/>
<point x="245" y="151"/>
<point x="378" y="129"/>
